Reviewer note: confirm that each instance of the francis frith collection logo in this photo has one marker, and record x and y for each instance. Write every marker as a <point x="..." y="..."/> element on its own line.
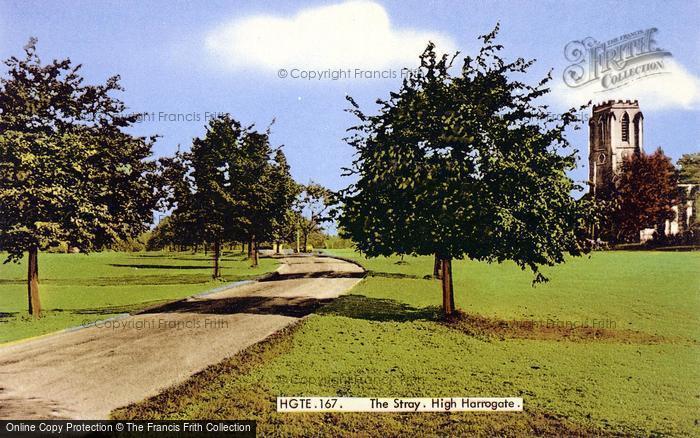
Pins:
<point x="616" y="62"/>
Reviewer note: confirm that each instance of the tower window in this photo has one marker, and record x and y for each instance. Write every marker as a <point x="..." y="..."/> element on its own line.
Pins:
<point x="625" y="127"/>
<point x="637" y="123"/>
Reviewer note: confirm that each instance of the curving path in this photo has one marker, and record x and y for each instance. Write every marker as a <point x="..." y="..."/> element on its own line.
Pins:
<point x="85" y="374"/>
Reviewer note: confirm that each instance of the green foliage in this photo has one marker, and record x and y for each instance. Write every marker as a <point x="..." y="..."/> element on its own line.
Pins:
<point x="465" y="166"/>
<point x="689" y="168"/>
<point x="284" y="190"/>
<point x="286" y="230"/>
<point x="690" y="174"/>
<point x="338" y="242"/>
<point x="317" y="239"/>
<point x="69" y="173"/>
<point x="231" y="186"/>
<point x="133" y="244"/>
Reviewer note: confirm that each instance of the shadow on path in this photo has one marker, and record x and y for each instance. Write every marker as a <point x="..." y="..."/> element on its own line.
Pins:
<point x="276" y="276"/>
<point x="295" y="307"/>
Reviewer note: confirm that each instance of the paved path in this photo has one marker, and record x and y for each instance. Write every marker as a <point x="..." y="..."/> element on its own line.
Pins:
<point x="85" y="374"/>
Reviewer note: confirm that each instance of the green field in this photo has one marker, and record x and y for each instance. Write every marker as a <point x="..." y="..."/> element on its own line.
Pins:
<point x="614" y="349"/>
<point x="79" y="288"/>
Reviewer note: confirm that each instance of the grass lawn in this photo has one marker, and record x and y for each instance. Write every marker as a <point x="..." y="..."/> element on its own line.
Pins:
<point x="635" y="371"/>
<point x="79" y="288"/>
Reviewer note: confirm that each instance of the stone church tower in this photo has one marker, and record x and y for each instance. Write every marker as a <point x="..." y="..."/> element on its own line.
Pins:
<point x="616" y="131"/>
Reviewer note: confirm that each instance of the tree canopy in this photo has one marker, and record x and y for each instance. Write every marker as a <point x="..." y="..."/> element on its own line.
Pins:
<point x="314" y="209"/>
<point x="69" y="171"/>
<point x="643" y="196"/>
<point x="465" y="165"/>
<point x="231" y="186"/>
<point x="689" y="168"/>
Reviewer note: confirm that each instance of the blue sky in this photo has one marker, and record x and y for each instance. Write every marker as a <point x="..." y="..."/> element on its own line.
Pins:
<point x="224" y="56"/>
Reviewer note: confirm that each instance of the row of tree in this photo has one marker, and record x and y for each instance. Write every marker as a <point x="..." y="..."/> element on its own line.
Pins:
<point x="72" y="175"/>
<point x="233" y="186"/>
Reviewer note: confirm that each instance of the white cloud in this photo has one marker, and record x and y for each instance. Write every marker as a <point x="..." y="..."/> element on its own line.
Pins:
<point x="355" y="34"/>
<point x="676" y="88"/>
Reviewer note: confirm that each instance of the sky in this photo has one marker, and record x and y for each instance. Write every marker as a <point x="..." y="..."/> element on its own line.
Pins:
<point x="182" y="62"/>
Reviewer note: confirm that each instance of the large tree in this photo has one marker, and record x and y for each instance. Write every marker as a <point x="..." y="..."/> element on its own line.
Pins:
<point x="643" y="196"/>
<point x="68" y="170"/>
<point x="198" y="187"/>
<point x="465" y="166"/>
<point x="285" y="219"/>
<point x="314" y="206"/>
<point x="263" y="188"/>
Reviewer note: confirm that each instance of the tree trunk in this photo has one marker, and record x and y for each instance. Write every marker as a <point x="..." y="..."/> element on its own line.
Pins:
<point x="254" y="246"/>
<point x="250" y="247"/>
<point x="217" y="250"/>
<point x="306" y="241"/>
<point x="298" y="241"/>
<point x="436" y="267"/>
<point x="33" y="283"/>
<point x="448" y="297"/>
<point x="277" y="247"/>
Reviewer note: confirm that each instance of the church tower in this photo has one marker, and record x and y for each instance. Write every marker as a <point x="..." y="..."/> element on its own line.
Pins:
<point x="615" y="132"/>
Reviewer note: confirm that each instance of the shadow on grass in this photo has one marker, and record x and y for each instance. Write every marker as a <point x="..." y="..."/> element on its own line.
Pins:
<point x="379" y="309"/>
<point x="145" y="266"/>
<point x="493" y="328"/>
<point x="485" y="328"/>
<point x="7" y="315"/>
<point x="392" y="275"/>
<point x="12" y="281"/>
<point x="134" y="280"/>
<point x="192" y="258"/>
